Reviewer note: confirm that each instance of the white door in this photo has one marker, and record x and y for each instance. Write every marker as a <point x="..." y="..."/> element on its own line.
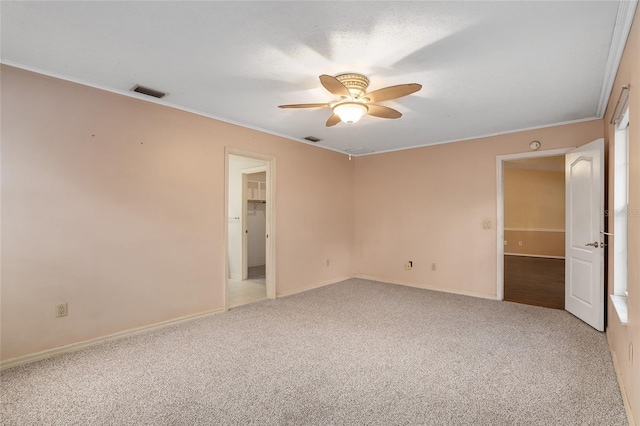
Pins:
<point x="584" y="281"/>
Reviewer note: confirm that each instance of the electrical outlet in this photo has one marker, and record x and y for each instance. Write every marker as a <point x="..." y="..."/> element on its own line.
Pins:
<point x="505" y="242"/>
<point x="486" y="223"/>
<point x="520" y="243"/>
<point x="408" y="265"/>
<point x="61" y="310"/>
<point x="434" y="267"/>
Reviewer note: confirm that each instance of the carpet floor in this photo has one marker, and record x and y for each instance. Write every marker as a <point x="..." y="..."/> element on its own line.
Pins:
<point x="352" y="353"/>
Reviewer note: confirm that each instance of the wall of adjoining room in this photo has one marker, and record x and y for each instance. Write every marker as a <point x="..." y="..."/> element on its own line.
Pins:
<point x="534" y="212"/>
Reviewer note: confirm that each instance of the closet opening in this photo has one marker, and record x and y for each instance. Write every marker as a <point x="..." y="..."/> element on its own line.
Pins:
<point x="250" y="254"/>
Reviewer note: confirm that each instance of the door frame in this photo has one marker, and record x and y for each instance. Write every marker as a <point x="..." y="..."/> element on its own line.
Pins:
<point x="500" y="159"/>
<point x="270" y="213"/>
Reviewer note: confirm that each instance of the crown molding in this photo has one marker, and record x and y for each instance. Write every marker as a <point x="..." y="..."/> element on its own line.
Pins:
<point x="626" y="12"/>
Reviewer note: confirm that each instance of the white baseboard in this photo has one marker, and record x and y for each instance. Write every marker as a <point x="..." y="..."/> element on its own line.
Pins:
<point x="623" y="391"/>
<point x="311" y="287"/>
<point x="429" y="287"/>
<point x="235" y="277"/>
<point x="25" y="359"/>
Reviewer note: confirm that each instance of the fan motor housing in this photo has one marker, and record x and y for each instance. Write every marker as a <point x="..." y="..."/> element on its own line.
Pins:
<point x="356" y="83"/>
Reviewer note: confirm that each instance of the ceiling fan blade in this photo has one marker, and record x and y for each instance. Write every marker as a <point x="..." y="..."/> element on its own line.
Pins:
<point x="304" y="106"/>
<point x="334" y="86"/>
<point x="333" y="120"/>
<point x="383" y="111"/>
<point x="393" y="92"/>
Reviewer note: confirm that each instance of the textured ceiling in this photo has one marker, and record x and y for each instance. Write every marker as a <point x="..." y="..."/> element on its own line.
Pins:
<point x="485" y="67"/>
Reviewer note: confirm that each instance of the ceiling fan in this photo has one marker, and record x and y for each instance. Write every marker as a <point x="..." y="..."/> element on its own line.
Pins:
<point x="353" y="100"/>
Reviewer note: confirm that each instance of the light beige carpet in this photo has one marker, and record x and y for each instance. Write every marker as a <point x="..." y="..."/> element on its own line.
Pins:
<point x="353" y="353"/>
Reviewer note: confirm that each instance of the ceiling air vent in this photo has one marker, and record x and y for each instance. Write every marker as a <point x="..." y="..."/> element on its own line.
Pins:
<point x="313" y="139"/>
<point x="147" y="91"/>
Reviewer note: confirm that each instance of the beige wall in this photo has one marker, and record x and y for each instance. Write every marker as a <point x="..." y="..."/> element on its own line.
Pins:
<point x="116" y="206"/>
<point x="533" y="209"/>
<point x="621" y="336"/>
<point x="428" y="204"/>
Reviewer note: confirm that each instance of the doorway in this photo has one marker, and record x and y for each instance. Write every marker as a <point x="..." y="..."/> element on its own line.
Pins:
<point x="249" y="230"/>
<point x="584" y="229"/>
<point x="513" y="246"/>
<point x="534" y="231"/>
<point x="254" y="248"/>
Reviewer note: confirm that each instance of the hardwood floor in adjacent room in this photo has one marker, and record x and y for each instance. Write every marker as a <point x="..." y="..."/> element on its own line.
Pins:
<point x="534" y="281"/>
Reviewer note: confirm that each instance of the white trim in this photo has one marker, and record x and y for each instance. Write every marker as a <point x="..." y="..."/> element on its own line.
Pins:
<point x="500" y="159"/>
<point x="535" y="154"/>
<point x="470" y="138"/>
<point x="624" y="19"/>
<point x="621" y="307"/>
<point x="252" y="170"/>
<point x="428" y="287"/>
<point x="311" y="287"/>
<point x="225" y="233"/>
<point x="21" y="360"/>
<point x="244" y="262"/>
<point x="145" y="98"/>
<point x="534" y="229"/>
<point x="623" y="390"/>
<point x="624" y="121"/>
<point x="542" y="256"/>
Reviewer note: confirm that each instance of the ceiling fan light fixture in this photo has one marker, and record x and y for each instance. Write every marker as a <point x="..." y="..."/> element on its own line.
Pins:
<point x="350" y="112"/>
<point x="353" y="100"/>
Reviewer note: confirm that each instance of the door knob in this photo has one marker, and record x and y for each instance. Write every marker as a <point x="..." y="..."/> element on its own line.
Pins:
<point x="592" y="244"/>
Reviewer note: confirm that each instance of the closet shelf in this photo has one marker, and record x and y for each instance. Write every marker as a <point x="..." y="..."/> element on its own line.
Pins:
<point x="256" y="191"/>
